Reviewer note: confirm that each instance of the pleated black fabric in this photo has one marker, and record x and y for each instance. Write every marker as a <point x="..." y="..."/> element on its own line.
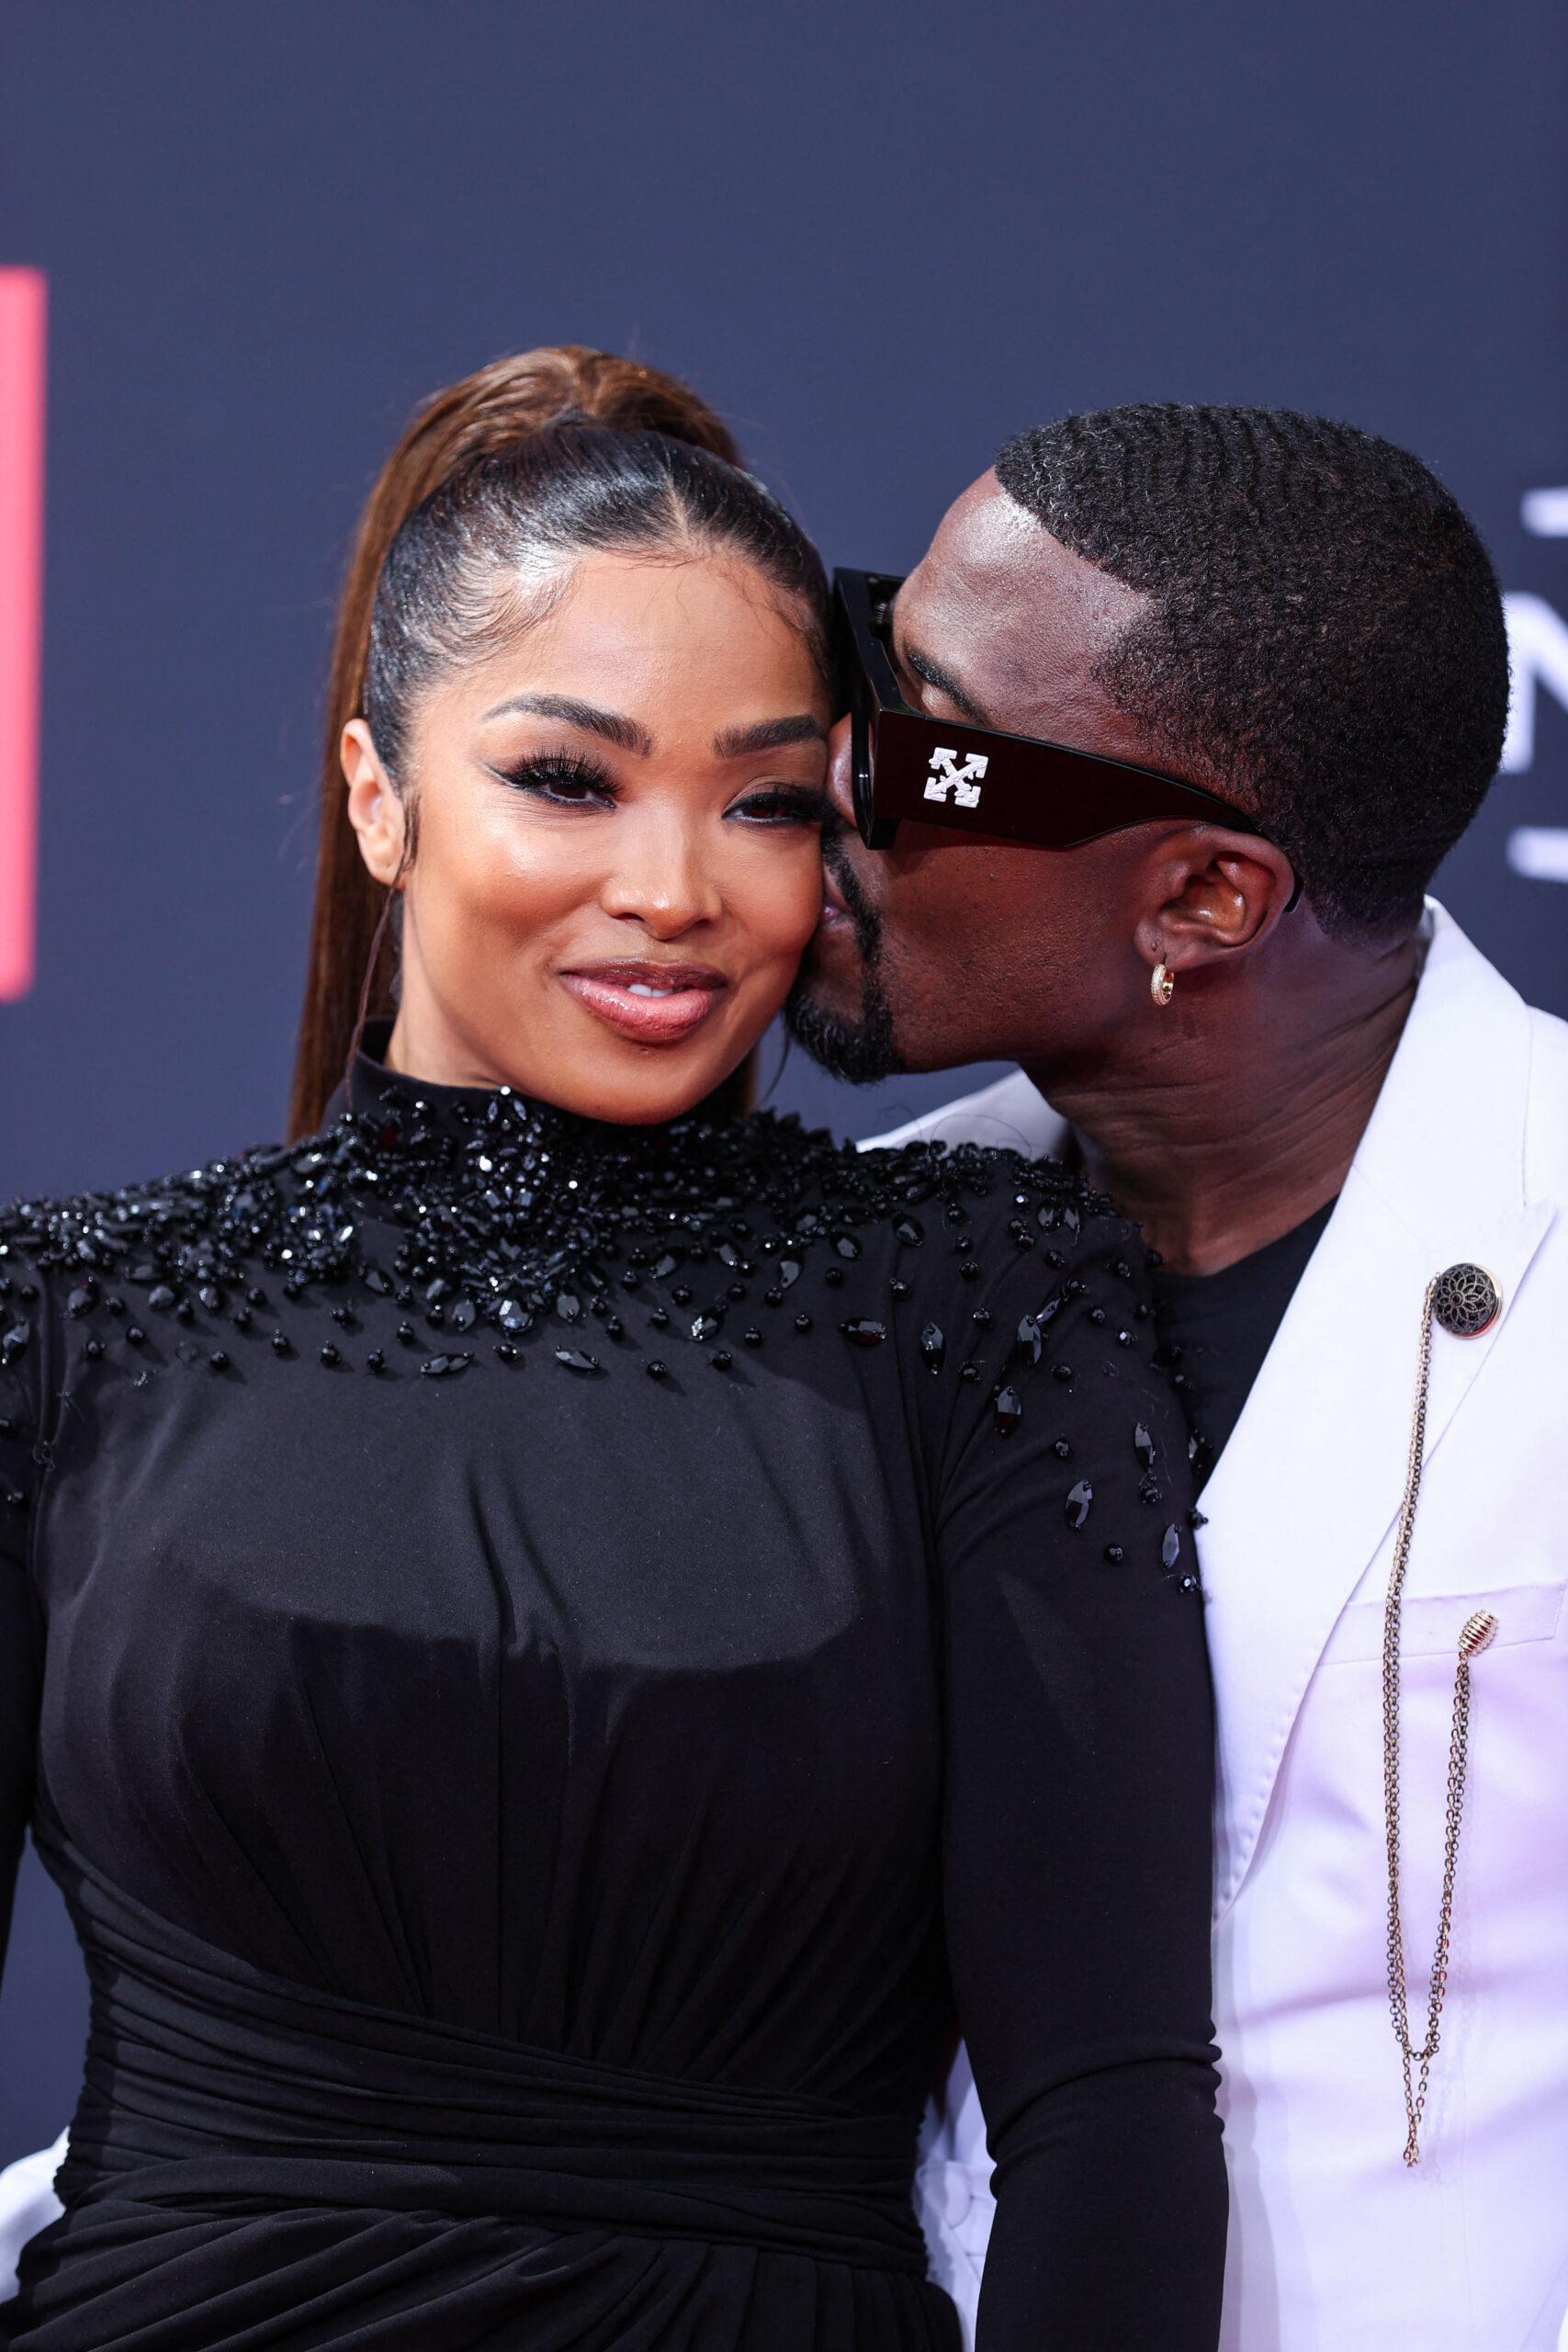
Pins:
<point x="552" y="1660"/>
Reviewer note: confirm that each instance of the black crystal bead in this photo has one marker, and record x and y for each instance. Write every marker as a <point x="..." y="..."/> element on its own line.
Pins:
<point x="1007" y="1412"/>
<point x="135" y="1337"/>
<point x="787" y="1272"/>
<point x="574" y="1360"/>
<point x="659" y="1318"/>
<point x="1170" y="1549"/>
<point x="900" y="1288"/>
<point x="752" y="1337"/>
<point x="1079" y="1498"/>
<point x="1143" y="1445"/>
<point x="863" y="1331"/>
<point x="375" y="1360"/>
<point x="1097" y="1315"/>
<point x="240" y="1319"/>
<point x="442" y="1367"/>
<point x="161" y="1297"/>
<point x="970" y="1270"/>
<point x="1195" y="1518"/>
<point x="933" y="1347"/>
<point x="834" y="1275"/>
<point x="681" y="1294"/>
<point x="1116" y="1554"/>
<point x="281" y="1343"/>
<point x="969" y="1372"/>
<point x="1190" y="1582"/>
<point x="721" y="1360"/>
<point x="1063" y="1372"/>
<point x="93" y="1350"/>
<point x="846" y="1245"/>
<point x="81" y="1302"/>
<point x="655" y="1369"/>
<point x="217" y="1360"/>
<point x="329" y="1353"/>
<point x="909" y="1231"/>
<point x="15" y="1342"/>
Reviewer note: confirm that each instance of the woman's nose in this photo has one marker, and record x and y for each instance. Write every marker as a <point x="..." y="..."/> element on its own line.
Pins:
<point x="664" y="881"/>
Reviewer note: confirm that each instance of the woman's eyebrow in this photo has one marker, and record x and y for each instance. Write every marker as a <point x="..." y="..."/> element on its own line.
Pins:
<point x="769" y="735"/>
<point x="625" y="734"/>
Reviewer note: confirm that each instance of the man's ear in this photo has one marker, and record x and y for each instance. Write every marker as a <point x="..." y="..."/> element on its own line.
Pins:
<point x="375" y="805"/>
<point x="1212" y="895"/>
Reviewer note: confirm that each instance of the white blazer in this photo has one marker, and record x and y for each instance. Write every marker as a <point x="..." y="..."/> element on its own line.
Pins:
<point x="1335" y="2245"/>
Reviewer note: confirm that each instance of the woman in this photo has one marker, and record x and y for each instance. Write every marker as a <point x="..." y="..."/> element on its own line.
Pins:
<point x="555" y="1635"/>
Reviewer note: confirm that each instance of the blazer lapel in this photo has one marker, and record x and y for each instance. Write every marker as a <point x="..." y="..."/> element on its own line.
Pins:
<point x="1307" y="1490"/>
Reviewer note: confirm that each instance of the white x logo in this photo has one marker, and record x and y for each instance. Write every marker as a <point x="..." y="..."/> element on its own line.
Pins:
<point x="963" y="783"/>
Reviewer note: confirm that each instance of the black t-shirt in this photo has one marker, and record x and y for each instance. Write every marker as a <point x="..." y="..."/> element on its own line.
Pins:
<point x="1215" y="1329"/>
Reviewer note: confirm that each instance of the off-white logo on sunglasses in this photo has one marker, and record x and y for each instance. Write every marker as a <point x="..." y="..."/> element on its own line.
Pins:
<point x="963" y="783"/>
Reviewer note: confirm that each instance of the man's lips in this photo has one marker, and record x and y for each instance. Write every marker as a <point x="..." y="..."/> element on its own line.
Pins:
<point x="657" y="1004"/>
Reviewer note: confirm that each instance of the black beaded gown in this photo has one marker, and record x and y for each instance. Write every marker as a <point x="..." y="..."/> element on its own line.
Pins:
<point x="554" y="1666"/>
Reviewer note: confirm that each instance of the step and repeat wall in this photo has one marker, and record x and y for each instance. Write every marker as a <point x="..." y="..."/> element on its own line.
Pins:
<point x="237" y="245"/>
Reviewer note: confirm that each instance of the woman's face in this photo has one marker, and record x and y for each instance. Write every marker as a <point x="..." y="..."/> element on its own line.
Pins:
<point x="617" y="862"/>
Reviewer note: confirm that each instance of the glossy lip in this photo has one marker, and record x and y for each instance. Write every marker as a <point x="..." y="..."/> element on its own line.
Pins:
<point x="606" y="990"/>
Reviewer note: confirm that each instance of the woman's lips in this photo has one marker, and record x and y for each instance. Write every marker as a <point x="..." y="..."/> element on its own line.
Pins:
<point x="659" y="1004"/>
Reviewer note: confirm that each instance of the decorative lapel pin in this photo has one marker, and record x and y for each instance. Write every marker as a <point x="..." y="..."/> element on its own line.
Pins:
<point x="1464" y="1301"/>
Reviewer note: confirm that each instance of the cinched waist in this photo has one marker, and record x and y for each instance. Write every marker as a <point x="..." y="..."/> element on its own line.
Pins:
<point x="208" y="2080"/>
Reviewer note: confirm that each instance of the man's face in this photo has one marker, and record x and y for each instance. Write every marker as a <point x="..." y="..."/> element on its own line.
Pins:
<point x="951" y="947"/>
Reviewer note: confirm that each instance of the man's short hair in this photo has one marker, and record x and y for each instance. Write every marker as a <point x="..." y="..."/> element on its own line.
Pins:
<point x="1326" y="645"/>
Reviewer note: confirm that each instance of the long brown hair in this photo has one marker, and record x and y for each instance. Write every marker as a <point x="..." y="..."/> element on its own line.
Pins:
<point x="352" y="968"/>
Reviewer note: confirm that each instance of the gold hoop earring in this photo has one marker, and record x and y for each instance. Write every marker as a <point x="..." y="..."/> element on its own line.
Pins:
<point x="1162" y="985"/>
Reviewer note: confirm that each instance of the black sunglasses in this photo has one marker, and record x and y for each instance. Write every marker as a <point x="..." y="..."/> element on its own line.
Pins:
<point x="944" y="772"/>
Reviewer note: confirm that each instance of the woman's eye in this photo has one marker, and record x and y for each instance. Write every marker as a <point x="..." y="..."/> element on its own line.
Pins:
<point x="784" y="804"/>
<point x="564" y="779"/>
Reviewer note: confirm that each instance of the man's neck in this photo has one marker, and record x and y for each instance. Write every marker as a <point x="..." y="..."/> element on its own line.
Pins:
<point x="1224" y="1134"/>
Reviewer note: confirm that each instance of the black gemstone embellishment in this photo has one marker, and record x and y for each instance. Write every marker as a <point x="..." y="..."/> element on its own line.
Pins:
<point x="721" y="1360"/>
<point x="863" y="1331"/>
<point x="1170" y="1549"/>
<point x="329" y="1353"/>
<point x="1008" y="1411"/>
<point x="80" y="1302"/>
<point x="1079" y="1500"/>
<point x="933" y="1347"/>
<point x="1116" y="1554"/>
<point x="574" y="1360"/>
<point x="803" y="1322"/>
<point x="281" y="1345"/>
<point x="376" y="1361"/>
<point x="787" y="1272"/>
<point x="1143" y="1446"/>
<point x="1062" y="1449"/>
<point x="217" y="1360"/>
<point x="654" y="1370"/>
<point x="752" y="1337"/>
<point x="1063" y="1372"/>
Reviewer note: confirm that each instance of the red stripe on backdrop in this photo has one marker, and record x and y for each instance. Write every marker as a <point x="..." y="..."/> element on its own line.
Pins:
<point x="21" y="614"/>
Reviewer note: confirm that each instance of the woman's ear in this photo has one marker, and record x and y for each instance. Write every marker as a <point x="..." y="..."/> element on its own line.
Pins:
<point x="1218" y="893"/>
<point x="375" y="805"/>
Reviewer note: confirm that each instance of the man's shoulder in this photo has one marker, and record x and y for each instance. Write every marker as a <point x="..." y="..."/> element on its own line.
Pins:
<point x="1011" y="1113"/>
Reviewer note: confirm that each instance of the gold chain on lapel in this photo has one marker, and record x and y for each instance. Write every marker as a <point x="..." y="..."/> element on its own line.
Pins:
<point x="1465" y="1301"/>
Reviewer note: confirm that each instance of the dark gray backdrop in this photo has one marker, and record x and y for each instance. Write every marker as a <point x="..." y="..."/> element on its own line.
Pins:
<point x="880" y="238"/>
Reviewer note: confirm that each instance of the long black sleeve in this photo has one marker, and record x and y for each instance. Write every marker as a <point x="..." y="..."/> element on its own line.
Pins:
<point x="21" y="1352"/>
<point x="1078" y="1839"/>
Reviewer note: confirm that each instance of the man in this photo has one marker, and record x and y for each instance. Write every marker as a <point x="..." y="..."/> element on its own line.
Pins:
<point x="1316" y="1108"/>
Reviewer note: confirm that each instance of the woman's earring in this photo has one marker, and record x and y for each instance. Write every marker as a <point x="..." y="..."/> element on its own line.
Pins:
<point x="1162" y="985"/>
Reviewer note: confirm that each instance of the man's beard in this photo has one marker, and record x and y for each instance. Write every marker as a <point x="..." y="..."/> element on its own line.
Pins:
<point x="863" y="1050"/>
